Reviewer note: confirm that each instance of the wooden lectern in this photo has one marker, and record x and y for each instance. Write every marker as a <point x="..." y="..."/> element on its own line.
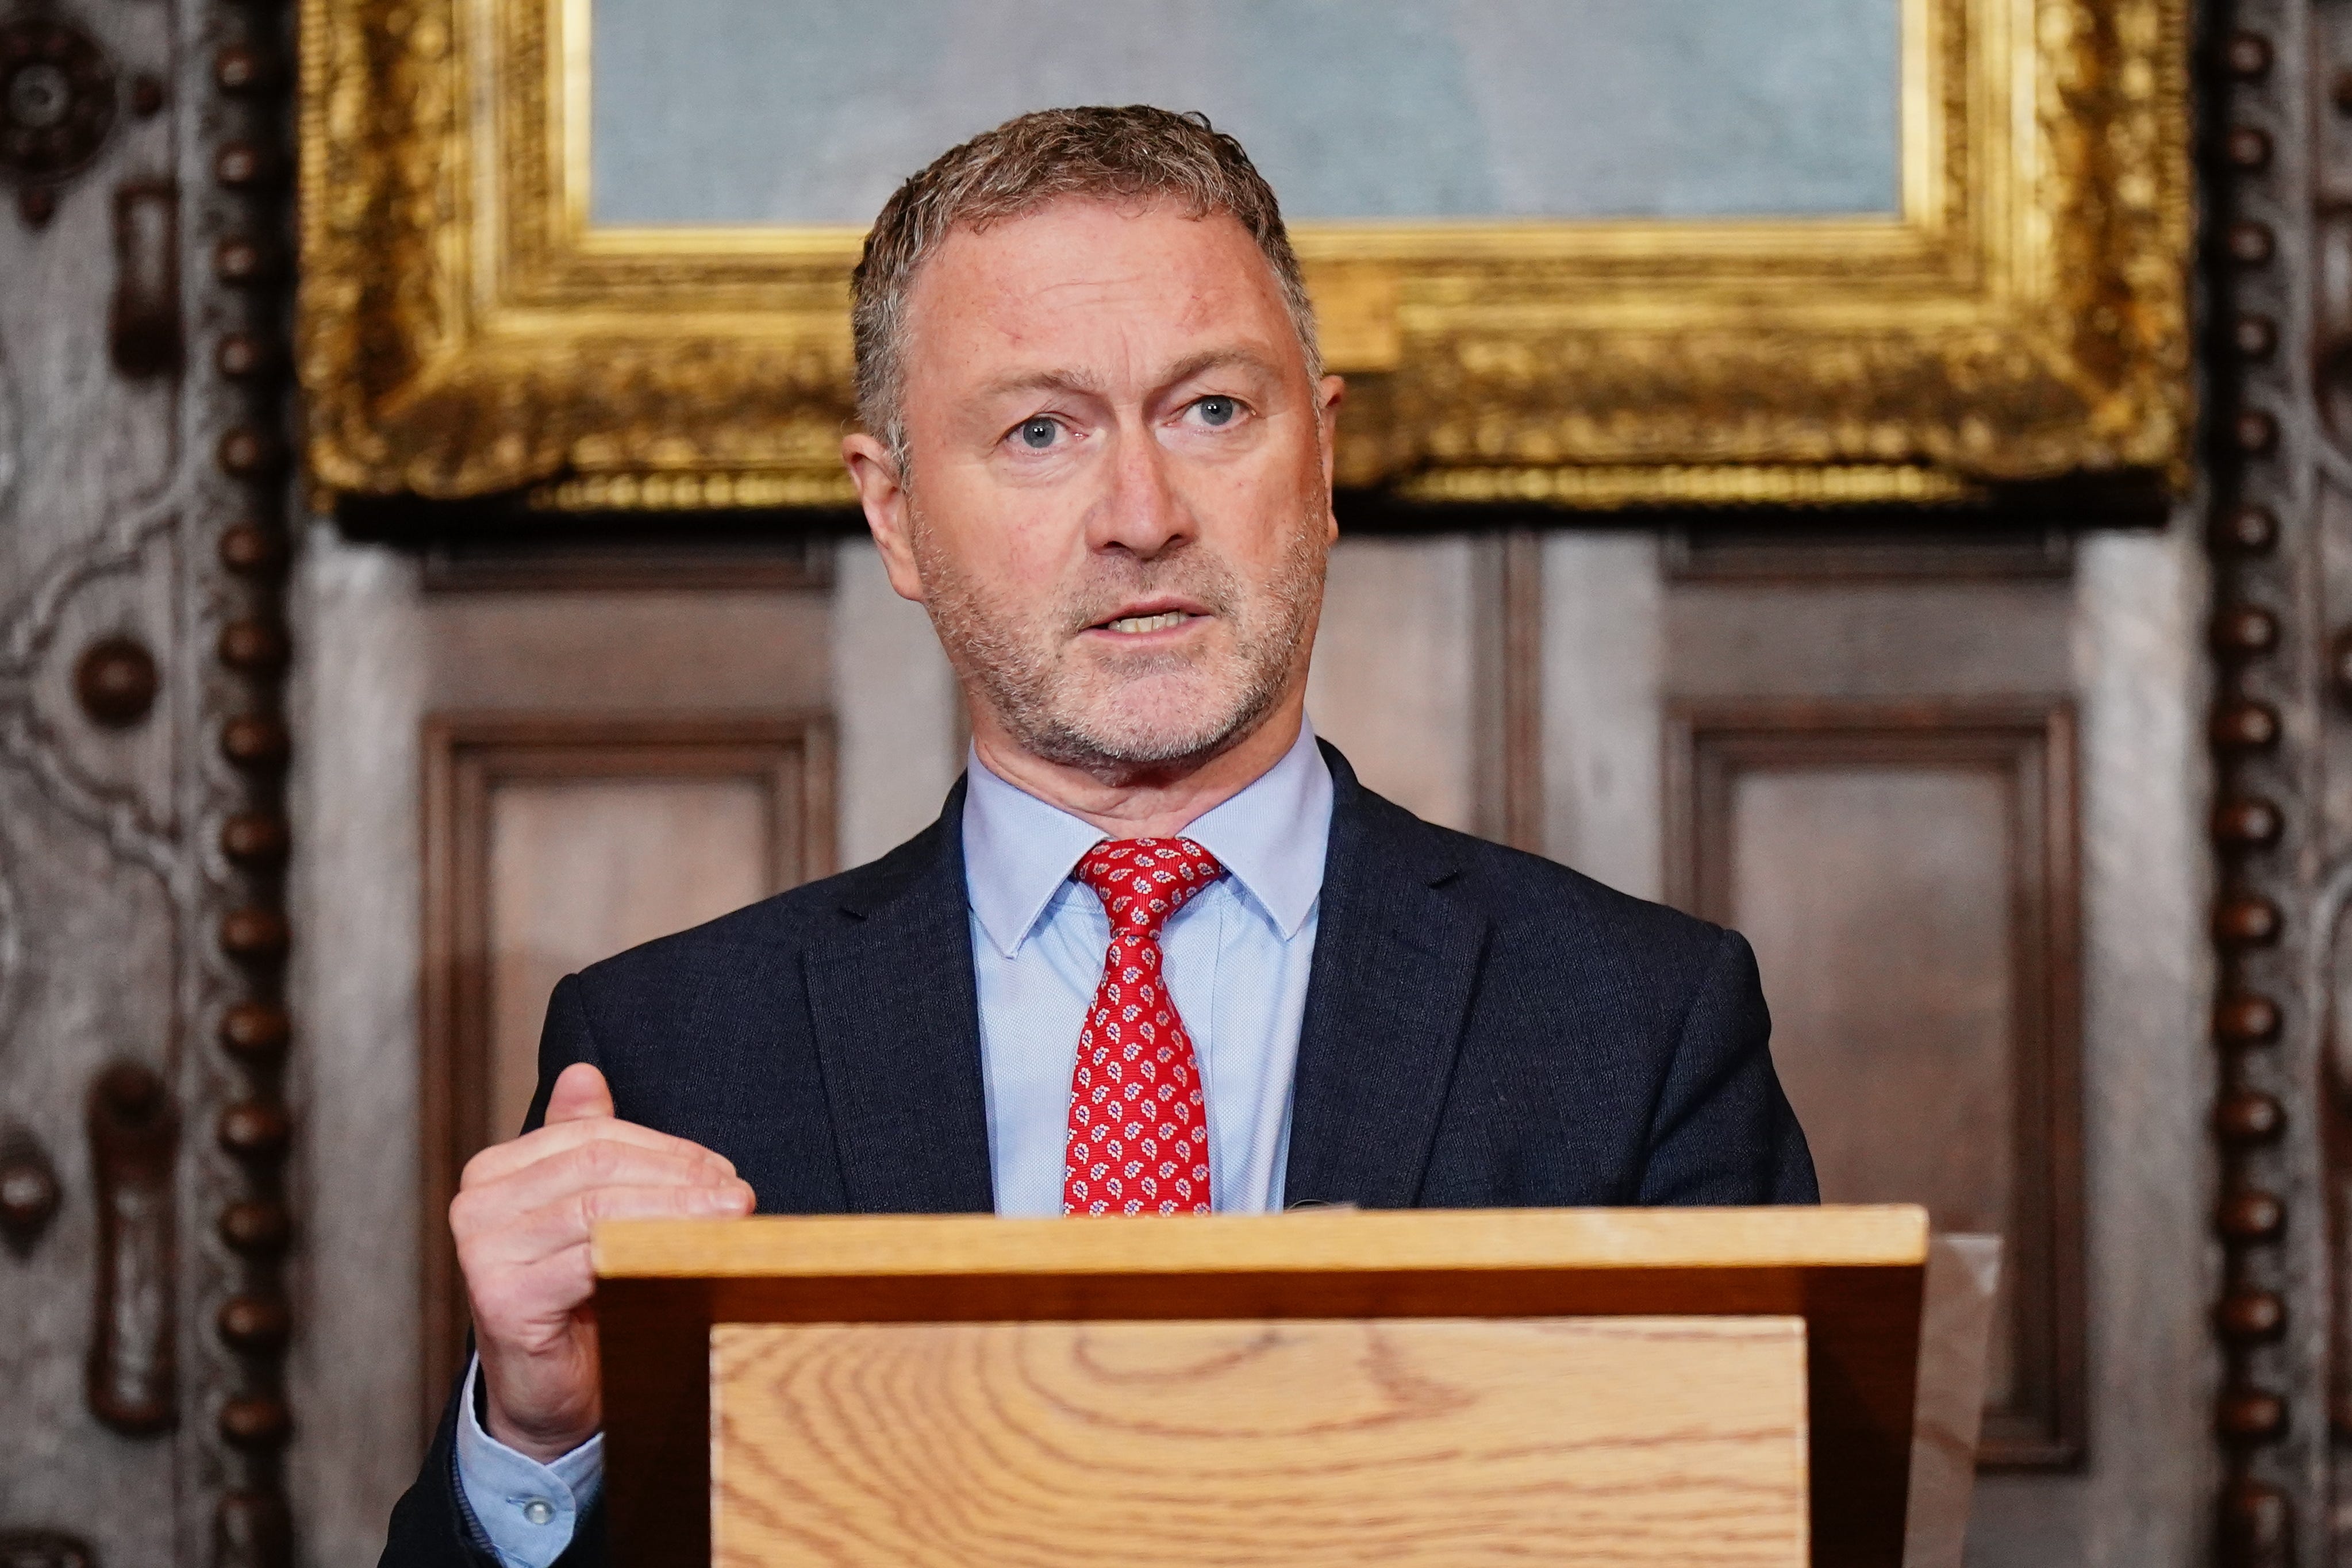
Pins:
<point x="1676" y="1387"/>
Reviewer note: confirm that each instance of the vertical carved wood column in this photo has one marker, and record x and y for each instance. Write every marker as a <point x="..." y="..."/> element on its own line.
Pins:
<point x="142" y="469"/>
<point x="244" y="151"/>
<point x="2271" y="927"/>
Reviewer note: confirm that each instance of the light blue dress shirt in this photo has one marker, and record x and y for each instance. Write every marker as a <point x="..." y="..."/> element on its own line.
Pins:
<point x="522" y="1509"/>
<point x="1237" y="957"/>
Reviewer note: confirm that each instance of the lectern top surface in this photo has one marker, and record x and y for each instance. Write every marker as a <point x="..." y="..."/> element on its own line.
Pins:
<point x="1321" y="1241"/>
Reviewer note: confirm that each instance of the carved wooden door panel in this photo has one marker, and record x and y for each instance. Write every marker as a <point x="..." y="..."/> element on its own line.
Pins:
<point x="142" y="1126"/>
<point x="1941" y="773"/>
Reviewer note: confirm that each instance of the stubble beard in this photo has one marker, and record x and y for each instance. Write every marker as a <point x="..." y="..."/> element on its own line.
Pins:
<point x="1114" y="714"/>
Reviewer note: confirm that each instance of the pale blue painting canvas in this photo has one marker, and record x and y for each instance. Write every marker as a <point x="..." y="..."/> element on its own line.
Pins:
<point x="751" y="112"/>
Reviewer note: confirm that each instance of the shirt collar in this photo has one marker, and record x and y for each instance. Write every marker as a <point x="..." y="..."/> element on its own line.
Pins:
<point x="1271" y="837"/>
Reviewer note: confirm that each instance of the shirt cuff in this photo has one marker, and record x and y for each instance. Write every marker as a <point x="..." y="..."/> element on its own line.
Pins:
<point x="528" y="1510"/>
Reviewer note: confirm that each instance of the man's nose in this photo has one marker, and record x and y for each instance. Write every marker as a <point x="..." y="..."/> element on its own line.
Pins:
<point x="1140" y="512"/>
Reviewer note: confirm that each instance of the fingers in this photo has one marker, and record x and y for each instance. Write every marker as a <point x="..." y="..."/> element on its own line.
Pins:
<point x="502" y="1160"/>
<point x="580" y="1093"/>
<point x="512" y="1256"/>
<point x="585" y="1209"/>
<point x="600" y="1162"/>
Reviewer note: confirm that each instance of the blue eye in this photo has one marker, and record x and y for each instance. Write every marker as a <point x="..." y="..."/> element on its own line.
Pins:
<point x="1217" y="410"/>
<point x="1038" y="434"/>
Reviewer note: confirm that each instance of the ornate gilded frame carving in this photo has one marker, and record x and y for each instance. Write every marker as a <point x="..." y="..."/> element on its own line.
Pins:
<point x="464" y="330"/>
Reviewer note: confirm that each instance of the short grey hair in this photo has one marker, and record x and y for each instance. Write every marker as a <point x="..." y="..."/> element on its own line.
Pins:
<point x="1134" y="153"/>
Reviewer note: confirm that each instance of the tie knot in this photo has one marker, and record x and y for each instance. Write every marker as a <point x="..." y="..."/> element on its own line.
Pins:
<point x="1142" y="881"/>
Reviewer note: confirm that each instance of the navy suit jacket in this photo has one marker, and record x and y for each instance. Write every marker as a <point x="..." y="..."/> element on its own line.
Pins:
<point x="1483" y="1029"/>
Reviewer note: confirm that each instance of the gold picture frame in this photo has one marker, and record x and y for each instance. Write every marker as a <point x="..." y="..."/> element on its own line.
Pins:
<point x="464" y="331"/>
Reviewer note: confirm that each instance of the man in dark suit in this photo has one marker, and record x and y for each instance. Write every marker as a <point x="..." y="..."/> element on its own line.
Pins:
<point x="1161" y="953"/>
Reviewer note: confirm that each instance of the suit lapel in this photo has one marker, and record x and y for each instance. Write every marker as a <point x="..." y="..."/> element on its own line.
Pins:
<point x="896" y="1021"/>
<point x="1396" y="963"/>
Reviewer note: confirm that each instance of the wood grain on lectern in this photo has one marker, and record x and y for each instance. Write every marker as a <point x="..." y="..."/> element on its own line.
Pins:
<point x="930" y="1289"/>
<point x="1303" y="1442"/>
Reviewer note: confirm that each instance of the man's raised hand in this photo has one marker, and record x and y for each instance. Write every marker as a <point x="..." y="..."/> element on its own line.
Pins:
<point x="522" y="1219"/>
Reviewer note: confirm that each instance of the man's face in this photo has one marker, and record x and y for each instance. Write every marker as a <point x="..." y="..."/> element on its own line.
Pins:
<point x="1118" y="508"/>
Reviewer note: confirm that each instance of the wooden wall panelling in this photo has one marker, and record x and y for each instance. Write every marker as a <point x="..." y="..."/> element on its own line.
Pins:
<point x="578" y="555"/>
<point x="1908" y="873"/>
<point x="1428" y="674"/>
<point x="1885" y="640"/>
<point x="551" y="841"/>
<point x="1395" y="682"/>
<point x="1905" y="548"/>
<point x="379" y="652"/>
<point x="901" y="721"/>
<point x="1509" y="674"/>
<point x="1603" y="667"/>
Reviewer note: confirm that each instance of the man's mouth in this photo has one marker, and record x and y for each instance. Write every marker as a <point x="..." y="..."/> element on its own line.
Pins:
<point x="1131" y="624"/>
<point x="1149" y="617"/>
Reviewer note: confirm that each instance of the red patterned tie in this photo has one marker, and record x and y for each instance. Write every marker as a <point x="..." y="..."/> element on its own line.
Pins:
<point x="1139" y="1122"/>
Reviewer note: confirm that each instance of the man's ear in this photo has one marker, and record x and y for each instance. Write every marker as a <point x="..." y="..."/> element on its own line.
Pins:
<point x="1328" y="398"/>
<point x="882" y="494"/>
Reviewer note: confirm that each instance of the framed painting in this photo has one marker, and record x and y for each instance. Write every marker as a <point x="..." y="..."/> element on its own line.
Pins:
<point x="1571" y="252"/>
